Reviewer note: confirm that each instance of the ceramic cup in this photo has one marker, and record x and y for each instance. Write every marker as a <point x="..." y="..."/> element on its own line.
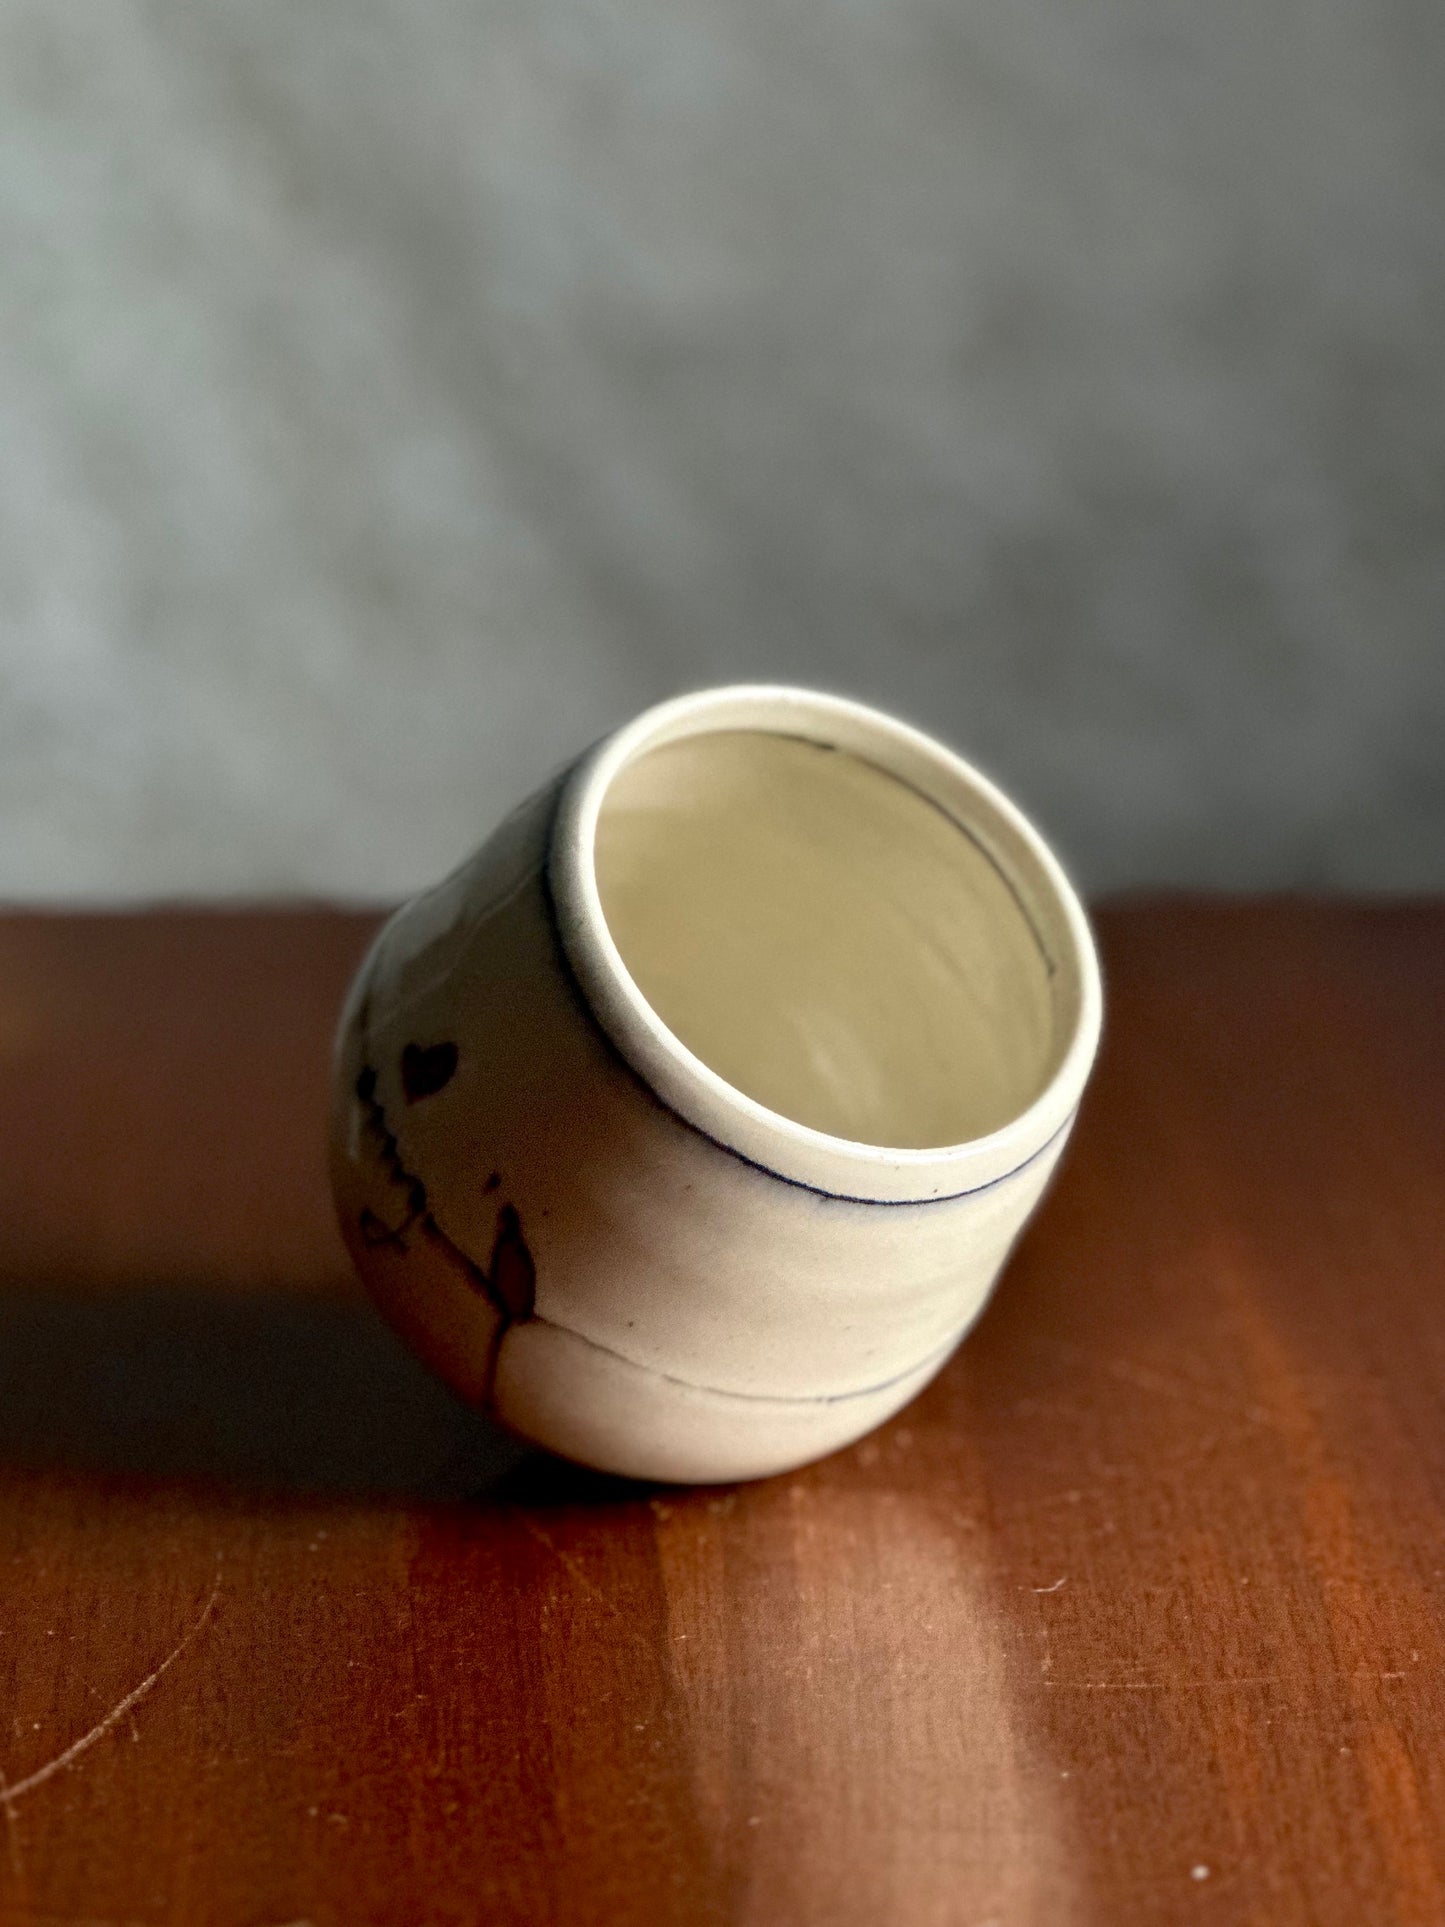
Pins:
<point x="687" y="1125"/>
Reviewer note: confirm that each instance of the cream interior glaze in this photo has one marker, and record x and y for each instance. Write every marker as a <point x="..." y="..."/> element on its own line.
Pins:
<point x="825" y="939"/>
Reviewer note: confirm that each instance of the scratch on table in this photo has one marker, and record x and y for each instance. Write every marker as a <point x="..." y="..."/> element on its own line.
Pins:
<point x="1147" y="1378"/>
<point x="1053" y="1588"/>
<point x="1206" y="1685"/>
<point x="1046" y="1652"/>
<point x="12" y="1837"/>
<point x="564" y="1559"/>
<point x="15" y="1789"/>
<point x="1162" y="1685"/>
<point x="1041" y="1501"/>
<point x="585" y="1583"/>
<point x="572" y="1566"/>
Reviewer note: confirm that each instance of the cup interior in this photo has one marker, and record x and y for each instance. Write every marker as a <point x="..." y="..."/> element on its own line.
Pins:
<point x="827" y="938"/>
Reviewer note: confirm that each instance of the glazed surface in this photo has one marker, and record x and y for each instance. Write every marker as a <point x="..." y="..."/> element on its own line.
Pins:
<point x="825" y="939"/>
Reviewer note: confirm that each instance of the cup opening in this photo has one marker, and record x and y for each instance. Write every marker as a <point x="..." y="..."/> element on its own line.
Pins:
<point x="827" y="942"/>
<point x="825" y="939"/>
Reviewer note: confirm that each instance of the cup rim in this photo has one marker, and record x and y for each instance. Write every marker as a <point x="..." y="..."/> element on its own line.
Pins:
<point x="776" y="1144"/>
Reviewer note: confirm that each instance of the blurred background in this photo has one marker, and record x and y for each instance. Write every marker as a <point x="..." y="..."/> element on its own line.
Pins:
<point x="396" y="394"/>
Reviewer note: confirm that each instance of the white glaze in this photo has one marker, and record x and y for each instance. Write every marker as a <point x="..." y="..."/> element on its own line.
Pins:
<point x="669" y="1277"/>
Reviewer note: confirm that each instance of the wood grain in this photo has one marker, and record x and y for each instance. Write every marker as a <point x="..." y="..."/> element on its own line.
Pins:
<point x="1134" y="1617"/>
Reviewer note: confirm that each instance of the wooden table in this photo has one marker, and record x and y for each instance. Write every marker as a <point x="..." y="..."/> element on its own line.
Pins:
<point x="1134" y="1616"/>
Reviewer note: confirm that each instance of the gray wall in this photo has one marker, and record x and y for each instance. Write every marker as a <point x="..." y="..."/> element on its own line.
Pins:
<point x="395" y="393"/>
